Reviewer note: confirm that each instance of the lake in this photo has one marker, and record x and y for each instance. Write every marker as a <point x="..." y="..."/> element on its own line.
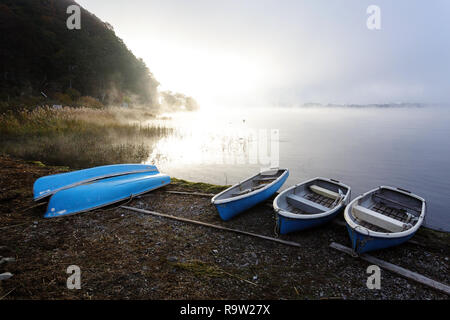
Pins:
<point x="362" y="147"/>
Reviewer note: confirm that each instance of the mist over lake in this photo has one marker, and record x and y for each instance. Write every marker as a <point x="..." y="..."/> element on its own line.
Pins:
<point x="362" y="147"/>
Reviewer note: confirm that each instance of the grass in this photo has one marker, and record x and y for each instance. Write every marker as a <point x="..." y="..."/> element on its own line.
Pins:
<point x="200" y="268"/>
<point x="197" y="186"/>
<point x="78" y="137"/>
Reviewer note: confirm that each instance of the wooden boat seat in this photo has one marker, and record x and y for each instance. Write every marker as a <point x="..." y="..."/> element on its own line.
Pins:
<point x="378" y="219"/>
<point x="247" y="190"/>
<point x="265" y="179"/>
<point x="301" y="203"/>
<point x="325" y="192"/>
<point x="271" y="172"/>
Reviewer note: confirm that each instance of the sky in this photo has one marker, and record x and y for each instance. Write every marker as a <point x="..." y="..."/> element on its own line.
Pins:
<point x="286" y="53"/>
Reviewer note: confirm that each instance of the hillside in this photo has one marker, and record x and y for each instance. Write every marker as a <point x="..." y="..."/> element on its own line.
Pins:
<point x="40" y="54"/>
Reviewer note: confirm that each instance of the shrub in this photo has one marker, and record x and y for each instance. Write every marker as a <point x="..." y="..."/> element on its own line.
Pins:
<point x="73" y="93"/>
<point x="90" y="102"/>
<point x="76" y="137"/>
<point x="63" y="98"/>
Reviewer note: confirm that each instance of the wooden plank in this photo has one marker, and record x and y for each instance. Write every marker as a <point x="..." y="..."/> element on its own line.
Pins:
<point x="270" y="172"/>
<point x="325" y="192"/>
<point x="248" y="190"/>
<point x="209" y="225"/>
<point x="192" y="193"/>
<point x="396" y="202"/>
<point x="240" y="193"/>
<point x="300" y="200"/>
<point x="396" y="269"/>
<point x="378" y="219"/>
<point x="265" y="179"/>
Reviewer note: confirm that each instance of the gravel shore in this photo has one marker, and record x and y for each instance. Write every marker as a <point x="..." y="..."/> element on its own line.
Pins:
<point x="128" y="255"/>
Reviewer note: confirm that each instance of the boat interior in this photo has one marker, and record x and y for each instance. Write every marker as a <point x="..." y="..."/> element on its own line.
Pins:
<point x="387" y="211"/>
<point x="313" y="197"/>
<point x="254" y="183"/>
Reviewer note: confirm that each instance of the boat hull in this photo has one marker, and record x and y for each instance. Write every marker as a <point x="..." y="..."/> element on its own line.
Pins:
<point x="230" y="209"/>
<point x="288" y="225"/>
<point x="320" y="190"/>
<point x="365" y="238"/>
<point x="362" y="243"/>
<point x="48" y="185"/>
<point x="102" y="193"/>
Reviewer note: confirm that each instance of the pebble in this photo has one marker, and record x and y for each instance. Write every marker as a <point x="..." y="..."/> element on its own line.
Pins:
<point x="172" y="259"/>
<point x="5" y="276"/>
<point x="5" y="260"/>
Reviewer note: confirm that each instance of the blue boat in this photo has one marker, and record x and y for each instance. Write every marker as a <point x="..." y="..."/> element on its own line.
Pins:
<point x="48" y="185"/>
<point x="102" y="193"/>
<point x="310" y="204"/>
<point x="249" y="193"/>
<point x="383" y="217"/>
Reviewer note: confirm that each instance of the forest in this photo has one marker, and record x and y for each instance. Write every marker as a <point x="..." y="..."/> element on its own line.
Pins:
<point x="44" y="63"/>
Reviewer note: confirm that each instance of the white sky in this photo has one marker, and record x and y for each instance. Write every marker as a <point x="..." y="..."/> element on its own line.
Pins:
<point x="283" y="52"/>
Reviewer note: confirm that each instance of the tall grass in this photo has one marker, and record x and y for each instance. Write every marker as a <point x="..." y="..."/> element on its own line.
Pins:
<point x="78" y="137"/>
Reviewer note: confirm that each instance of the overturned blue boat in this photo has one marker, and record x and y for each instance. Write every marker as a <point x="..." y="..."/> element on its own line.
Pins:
<point x="310" y="204"/>
<point x="48" y="185"/>
<point x="103" y="192"/>
<point x="383" y="217"/>
<point x="249" y="193"/>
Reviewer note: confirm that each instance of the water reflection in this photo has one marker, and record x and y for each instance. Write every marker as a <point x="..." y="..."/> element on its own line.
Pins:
<point x="405" y="147"/>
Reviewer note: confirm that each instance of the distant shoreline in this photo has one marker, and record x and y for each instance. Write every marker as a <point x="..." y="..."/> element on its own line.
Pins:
<point x="371" y="105"/>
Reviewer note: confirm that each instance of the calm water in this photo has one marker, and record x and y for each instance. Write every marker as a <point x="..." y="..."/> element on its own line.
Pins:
<point x="364" y="148"/>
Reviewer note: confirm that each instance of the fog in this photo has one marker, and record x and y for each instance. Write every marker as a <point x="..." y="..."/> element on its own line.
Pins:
<point x="289" y="52"/>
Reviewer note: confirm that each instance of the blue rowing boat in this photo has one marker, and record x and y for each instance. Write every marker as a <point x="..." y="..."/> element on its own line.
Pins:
<point x="249" y="193"/>
<point x="310" y="204"/>
<point x="48" y="185"/>
<point x="103" y="192"/>
<point x="383" y="217"/>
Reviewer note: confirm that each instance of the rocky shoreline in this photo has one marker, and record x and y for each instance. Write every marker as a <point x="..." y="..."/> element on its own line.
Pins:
<point x="128" y="255"/>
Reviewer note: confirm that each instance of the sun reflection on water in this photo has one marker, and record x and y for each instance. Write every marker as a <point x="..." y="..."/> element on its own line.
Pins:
<point x="203" y="146"/>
